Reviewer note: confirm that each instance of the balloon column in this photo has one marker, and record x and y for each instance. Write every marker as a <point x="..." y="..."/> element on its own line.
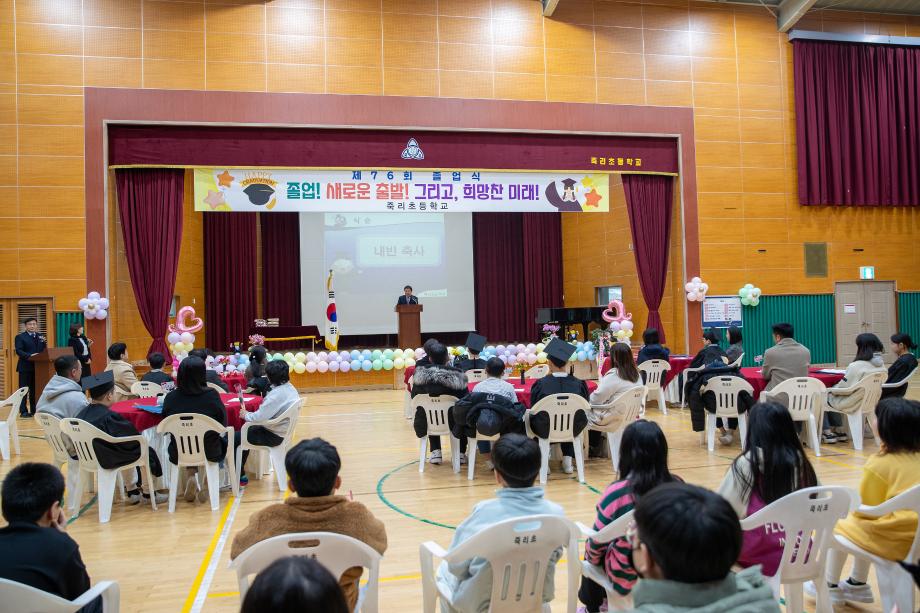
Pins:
<point x="94" y="306"/>
<point x="750" y="295"/>
<point x="181" y="336"/>
<point x="344" y="361"/>
<point x="696" y="290"/>
<point x="621" y="324"/>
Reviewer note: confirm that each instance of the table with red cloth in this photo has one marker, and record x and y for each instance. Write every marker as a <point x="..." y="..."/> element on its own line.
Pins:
<point x="679" y="363"/>
<point x="523" y="390"/>
<point x="143" y="420"/>
<point x="754" y="376"/>
<point x="232" y="379"/>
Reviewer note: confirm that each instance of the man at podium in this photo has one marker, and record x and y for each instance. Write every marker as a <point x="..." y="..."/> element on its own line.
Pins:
<point x="407" y="297"/>
<point x="28" y="343"/>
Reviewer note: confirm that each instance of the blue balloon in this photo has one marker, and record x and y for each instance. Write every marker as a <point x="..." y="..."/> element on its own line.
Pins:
<point x="366" y="353"/>
<point x="355" y="354"/>
<point x="366" y="365"/>
<point x="582" y="356"/>
<point x="356" y="364"/>
<point x="579" y="346"/>
<point x="490" y="349"/>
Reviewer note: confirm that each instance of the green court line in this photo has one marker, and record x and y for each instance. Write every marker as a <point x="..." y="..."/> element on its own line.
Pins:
<point x="91" y="502"/>
<point x="387" y="502"/>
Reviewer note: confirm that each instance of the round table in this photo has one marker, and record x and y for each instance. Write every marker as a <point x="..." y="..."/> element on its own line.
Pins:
<point x="143" y="420"/>
<point x="754" y="376"/>
<point x="232" y="379"/>
<point x="523" y="391"/>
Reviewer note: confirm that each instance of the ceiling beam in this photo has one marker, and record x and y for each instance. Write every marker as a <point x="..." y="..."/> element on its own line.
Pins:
<point x="790" y="11"/>
<point x="549" y="7"/>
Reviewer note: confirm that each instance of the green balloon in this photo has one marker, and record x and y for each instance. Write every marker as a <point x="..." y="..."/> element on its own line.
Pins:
<point x="377" y="364"/>
<point x="388" y="364"/>
<point x="388" y="354"/>
<point x="746" y="301"/>
<point x="376" y="354"/>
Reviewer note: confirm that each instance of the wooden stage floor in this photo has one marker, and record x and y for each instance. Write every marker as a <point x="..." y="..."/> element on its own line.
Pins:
<point x="179" y="561"/>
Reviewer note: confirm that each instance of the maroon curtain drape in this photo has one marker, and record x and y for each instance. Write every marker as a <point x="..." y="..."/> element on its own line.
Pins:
<point x="857" y="110"/>
<point x="150" y="207"/>
<point x="229" y="277"/>
<point x="281" y="267"/>
<point x="649" y="204"/>
<point x="518" y="267"/>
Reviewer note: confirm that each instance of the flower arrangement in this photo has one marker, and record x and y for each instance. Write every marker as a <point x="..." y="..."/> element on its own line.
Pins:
<point x="549" y="331"/>
<point x="255" y="339"/>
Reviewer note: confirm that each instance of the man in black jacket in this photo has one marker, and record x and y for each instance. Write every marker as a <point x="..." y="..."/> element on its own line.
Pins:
<point x="474" y="346"/>
<point x="28" y="343"/>
<point x="35" y="549"/>
<point x="436" y="380"/>
<point x="211" y="375"/>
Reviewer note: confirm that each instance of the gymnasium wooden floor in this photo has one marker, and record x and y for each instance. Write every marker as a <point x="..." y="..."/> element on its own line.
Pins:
<point x="179" y="561"/>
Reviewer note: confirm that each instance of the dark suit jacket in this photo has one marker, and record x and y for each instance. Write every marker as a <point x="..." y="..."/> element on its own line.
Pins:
<point x="78" y="349"/>
<point x="111" y="455"/>
<point x="404" y="300"/>
<point x="26" y="345"/>
<point x="468" y="364"/>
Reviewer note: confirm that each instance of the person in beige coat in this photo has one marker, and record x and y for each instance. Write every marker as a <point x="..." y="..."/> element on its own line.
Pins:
<point x="124" y="373"/>
<point x="313" y="474"/>
<point x="868" y="361"/>
<point x="787" y="359"/>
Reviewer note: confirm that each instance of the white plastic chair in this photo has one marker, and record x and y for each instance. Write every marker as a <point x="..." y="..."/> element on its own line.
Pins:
<point x="20" y="597"/>
<point x="471" y="450"/>
<point x="188" y="430"/>
<point x="216" y="387"/>
<point x="436" y="408"/>
<point x="518" y="551"/>
<point x="82" y="434"/>
<point x="808" y="517"/>
<point x="275" y="454"/>
<point x="871" y="388"/>
<point x="622" y="411"/>
<point x="561" y="409"/>
<point x="895" y="585"/>
<point x="336" y="552"/>
<point x="51" y="426"/>
<point x="726" y="390"/>
<point x="805" y="396"/>
<point x="146" y="389"/>
<point x="475" y="375"/>
<point x="686" y="376"/>
<point x="654" y="379"/>
<point x="9" y="429"/>
<point x="537" y="371"/>
<point x="612" y="531"/>
<point x="902" y="383"/>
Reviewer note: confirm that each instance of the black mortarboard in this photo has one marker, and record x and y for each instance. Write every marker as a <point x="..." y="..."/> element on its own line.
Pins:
<point x="475" y="342"/>
<point x="560" y="349"/>
<point x="259" y="193"/>
<point x="97" y="385"/>
<point x="570" y="183"/>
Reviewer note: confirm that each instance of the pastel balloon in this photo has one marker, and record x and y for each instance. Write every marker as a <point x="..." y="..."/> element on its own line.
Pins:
<point x="541" y="357"/>
<point x="356" y="364"/>
<point x="93" y="296"/>
<point x="322" y="356"/>
<point x="419" y="353"/>
<point x="388" y="354"/>
<point x="626" y="325"/>
<point x="388" y="364"/>
<point x="531" y="358"/>
<point x="322" y="366"/>
<point x="309" y="357"/>
<point x="512" y="360"/>
<point x="83" y="303"/>
<point x="521" y="357"/>
<point x="367" y="365"/>
<point x="540" y="347"/>
<point x="366" y="353"/>
<point x="410" y="362"/>
<point x="103" y="303"/>
<point x="334" y="366"/>
<point x="615" y="326"/>
<point x="173" y="338"/>
<point x="299" y="368"/>
<point x="376" y="354"/>
<point x="344" y="366"/>
<point x="377" y="364"/>
<point x="500" y="349"/>
<point x="355" y="354"/>
<point x="399" y="363"/>
<point x="288" y="357"/>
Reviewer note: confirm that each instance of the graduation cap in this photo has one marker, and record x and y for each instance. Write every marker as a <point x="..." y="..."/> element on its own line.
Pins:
<point x="569" y="183"/>
<point x="560" y="350"/>
<point x="475" y="342"/>
<point x="98" y="385"/>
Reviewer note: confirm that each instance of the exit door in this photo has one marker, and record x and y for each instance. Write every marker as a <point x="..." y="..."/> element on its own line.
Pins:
<point x="12" y="312"/>
<point x="864" y="306"/>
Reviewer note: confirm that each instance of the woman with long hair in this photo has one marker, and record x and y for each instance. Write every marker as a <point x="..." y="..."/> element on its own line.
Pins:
<point x="80" y="345"/>
<point x="773" y="465"/>
<point x="622" y="377"/>
<point x="643" y="466"/>
<point x="903" y="366"/>
<point x="868" y="361"/>
<point x="256" y="381"/>
<point x="735" y="347"/>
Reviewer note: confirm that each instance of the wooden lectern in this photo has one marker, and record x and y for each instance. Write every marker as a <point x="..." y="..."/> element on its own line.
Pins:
<point x="44" y="366"/>
<point x="410" y="325"/>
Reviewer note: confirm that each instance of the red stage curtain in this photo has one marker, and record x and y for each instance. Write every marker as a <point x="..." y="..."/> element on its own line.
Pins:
<point x="857" y="111"/>
<point x="150" y="206"/>
<point x="229" y="277"/>
<point x="649" y="203"/>
<point x="542" y="234"/>
<point x="281" y="268"/>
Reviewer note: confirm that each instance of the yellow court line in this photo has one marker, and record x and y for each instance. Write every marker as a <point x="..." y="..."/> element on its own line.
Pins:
<point x="193" y="592"/>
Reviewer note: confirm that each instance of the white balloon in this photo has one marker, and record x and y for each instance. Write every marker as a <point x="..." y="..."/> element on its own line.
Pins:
<point x="300" y="357"/>
<point x="704" y="287"/>
<point x="173" y="338"/>
<point x="696" y="280"/>
<point x="83" y="303"/>
<point x="691" y="297"/>
<point x="104" y="303"/>
<point x="690" y="287"/>
<point x="615" y="326"/>
<point x="93" y="296"/>
<point x="626" y="325"/>
<point x="309" y="366"/>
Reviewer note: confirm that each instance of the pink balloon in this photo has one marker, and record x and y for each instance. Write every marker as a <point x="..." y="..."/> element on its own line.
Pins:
<point x="186" y="321"/>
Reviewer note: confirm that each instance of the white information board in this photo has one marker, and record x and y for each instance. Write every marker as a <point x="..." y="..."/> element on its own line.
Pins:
<point x="722" y="312"/>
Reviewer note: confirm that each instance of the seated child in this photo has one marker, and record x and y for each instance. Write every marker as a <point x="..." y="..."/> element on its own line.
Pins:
<point x="156" y="374"/>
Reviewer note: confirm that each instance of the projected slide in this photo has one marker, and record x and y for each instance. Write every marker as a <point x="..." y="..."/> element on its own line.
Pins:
<point x="374" y="255"/>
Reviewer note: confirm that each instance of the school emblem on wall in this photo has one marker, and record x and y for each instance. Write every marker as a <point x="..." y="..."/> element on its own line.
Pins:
<point x="412" y="151"/>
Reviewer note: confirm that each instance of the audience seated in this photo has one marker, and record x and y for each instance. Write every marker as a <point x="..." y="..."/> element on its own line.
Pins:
<point x="622" y="377"/>
<point x="192" y="395"/>
<point x="437" y="379"/>
<point x="123" y="371"/>
<point x="903" y="366"/>
<point x="713" y="362"/>
<point x="684" y="544"/>
<point x="114" y="455"/>
<point x="494" y="384"/>
<point x="787" y="359"/>
<point x="294" y="583"/>
<point x="773" y="465"/>
<point x="517" y="463"/>
<point x="425" y="360"/>
<point x="63" y="396"/>
<point x="652" y="348"/>
<point x="735" y="347"/>
<point x="156" y="374"/>
<point x="711" y="351"/>
<point x="868" y="361"/>
<point x="891" y="471"/>
<point x="559" y="381"/>
<point x="35" y="548"/>
<point x="643" y="466"/>
<point x="474" y="345"/>
<point x="80" y="344"/>
<point x="211" y="375"/>
<point x="280" y="398"/>
<point x="313" y="474"/>
<point x="256" y="381"/>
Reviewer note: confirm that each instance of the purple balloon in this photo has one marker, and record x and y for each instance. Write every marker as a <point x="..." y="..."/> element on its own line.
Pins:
<point x="344" y="366"/>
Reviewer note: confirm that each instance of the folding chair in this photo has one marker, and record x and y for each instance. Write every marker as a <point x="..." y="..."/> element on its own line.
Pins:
<point x="561" y="409"/>
<point x="537" y="371"/>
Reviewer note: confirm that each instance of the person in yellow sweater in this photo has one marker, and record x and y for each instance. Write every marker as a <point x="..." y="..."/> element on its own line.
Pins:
<point x="893" y="470"/>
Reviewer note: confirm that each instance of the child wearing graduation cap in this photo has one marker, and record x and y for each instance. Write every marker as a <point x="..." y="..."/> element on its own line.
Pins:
<point x="101" y="390"/>
<point x="474" y="346"/>
<point x="559" y="381"/>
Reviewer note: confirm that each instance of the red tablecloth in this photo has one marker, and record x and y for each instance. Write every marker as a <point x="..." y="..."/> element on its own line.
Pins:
<point x="144" y="419"/>
<point x="523" y="391"/>
<point x="679" y="363"/>
<point x="755" y="378"/>
<point x="233" y="379"/>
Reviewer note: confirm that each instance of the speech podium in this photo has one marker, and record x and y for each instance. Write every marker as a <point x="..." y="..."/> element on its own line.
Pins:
<point x="410" y="325"/>
<point x="44" y="365"/>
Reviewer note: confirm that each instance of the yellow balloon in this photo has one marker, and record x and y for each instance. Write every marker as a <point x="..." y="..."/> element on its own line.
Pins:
<point x="541" y="358"/>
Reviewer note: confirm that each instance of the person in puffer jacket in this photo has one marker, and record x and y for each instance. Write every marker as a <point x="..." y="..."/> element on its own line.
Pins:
<point x="488" y="414"/>
<point x="868" y="361"/>
<point x="438" y="379"/>
<point x="699" y="402"/>
<point x="63" y="397"/>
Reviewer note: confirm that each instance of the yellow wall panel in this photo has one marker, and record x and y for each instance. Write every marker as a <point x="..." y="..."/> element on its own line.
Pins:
<point x="50" y="140"/>
<point x="170" y="74"/>
<point x="296" y="78"/>
<point x="410" y="82"/>
<point x="512" y="86"/>
<point x="42" y="11"/>
<point x="165" y="15"/>
<point x="50" y="110"/>
<point x="112" y="13"/>
<point x="41" y="170"/>
<point x="51" y="202"/>
<point x="8" y="170"/>
<point x="112" y="72"/>
<point x="50" y="69"/>
<point x="49" y="38"/>
<point x="354" y="80"/>
<point x="232" y="76"/>
<point x="294" y="20"/>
